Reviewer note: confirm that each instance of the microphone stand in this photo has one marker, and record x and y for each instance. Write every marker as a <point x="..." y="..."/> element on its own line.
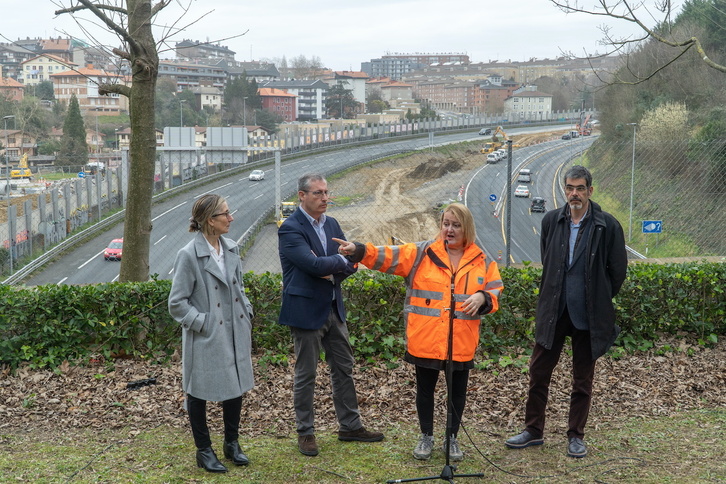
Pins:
<point x="449" y="471"/>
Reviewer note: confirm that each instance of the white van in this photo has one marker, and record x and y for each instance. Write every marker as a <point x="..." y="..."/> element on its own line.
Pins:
<point x="493" y="157"/>
<point x="525" y="176"/>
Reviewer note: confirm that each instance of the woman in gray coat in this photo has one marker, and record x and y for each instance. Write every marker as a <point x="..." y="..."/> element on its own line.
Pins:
<point x="208" y="299"/>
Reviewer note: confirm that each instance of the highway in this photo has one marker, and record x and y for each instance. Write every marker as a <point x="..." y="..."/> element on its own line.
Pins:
<point x="546" y="161"/>
<point x="248" y="199"/>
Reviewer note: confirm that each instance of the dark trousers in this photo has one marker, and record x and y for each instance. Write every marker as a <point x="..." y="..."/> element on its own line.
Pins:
<point x="332" y="338"/>
<point x="426" y="379"/>
<point x="541" y="366"/>
<point x="197" y="409"/>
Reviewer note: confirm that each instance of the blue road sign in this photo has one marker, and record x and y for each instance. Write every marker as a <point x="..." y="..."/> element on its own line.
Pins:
<point x="492" y="198"/>
<point x="652" y="226"/>
<point x="81" y="174"/>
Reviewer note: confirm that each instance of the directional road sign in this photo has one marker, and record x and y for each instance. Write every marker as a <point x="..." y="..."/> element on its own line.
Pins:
<point x="492" y="198"/>
<point x="652" y="226"/>
<point x="81" y="174"/>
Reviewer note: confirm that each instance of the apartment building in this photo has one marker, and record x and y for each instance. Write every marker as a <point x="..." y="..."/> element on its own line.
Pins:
<point x="529" y="104"/>
<point x="188" y="75"/>
<point x="198" y="50"/>
<point x="396" y="66"/>
<point x="279" y="102"/>
<point x="84" y="83"/>
<point x="354" y="81"/>
<point x="311" y="96"/>
<point x="41" y="67"/>
<point x="11" y="89"/>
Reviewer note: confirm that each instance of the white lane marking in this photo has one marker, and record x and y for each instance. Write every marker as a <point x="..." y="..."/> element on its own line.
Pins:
<point x="160" y="240"/>
<point x="89" y="260"/>
<point x="115" y="279"/>
<point x="164" y="213"/>
<point x="62" y="281"/>
<point x="260" y="195"/>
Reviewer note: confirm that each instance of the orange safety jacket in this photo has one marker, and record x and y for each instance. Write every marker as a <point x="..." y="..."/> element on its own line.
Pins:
<point x="431" y="286"/>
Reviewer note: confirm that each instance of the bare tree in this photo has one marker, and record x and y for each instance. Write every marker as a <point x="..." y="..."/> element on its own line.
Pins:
<point x="303" y="68"/>
<point x="639" y="12"/>
<point x="133" y="25"/>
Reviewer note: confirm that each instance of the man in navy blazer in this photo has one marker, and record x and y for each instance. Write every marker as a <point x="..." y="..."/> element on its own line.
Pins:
<point x="312" y="306"/>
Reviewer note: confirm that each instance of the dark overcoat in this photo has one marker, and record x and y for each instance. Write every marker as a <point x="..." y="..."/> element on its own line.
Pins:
<point x="605" y="271"/>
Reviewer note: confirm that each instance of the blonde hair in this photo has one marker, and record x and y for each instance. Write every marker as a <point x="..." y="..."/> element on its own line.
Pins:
<point x="462" y="213"/>
<point x="202" y="210"/>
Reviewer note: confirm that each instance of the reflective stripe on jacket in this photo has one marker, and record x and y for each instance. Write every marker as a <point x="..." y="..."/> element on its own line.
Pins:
<point x="429" y="277"/>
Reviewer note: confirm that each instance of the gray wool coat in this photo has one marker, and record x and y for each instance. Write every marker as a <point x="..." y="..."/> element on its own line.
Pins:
<point x="215" y="315"/>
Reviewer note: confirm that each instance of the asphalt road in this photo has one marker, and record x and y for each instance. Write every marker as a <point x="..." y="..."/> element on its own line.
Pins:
<point x="247" y="200"/>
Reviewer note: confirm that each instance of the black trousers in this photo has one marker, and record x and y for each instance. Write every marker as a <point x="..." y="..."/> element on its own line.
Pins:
<point x="426" y="379"/>
<point x="197" y="409"/>
<point x="541" y="366"/>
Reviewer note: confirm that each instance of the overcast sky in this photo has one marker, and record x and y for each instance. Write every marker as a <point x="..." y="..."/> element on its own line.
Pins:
<point x="344" y="34"/>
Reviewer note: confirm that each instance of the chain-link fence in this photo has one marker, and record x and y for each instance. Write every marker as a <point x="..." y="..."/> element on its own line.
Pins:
<point x="676" y="209"/>
<point x="393" y="191"/>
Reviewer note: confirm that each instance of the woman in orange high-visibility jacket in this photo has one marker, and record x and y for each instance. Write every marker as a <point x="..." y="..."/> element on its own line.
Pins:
<point x="441" y="274"/>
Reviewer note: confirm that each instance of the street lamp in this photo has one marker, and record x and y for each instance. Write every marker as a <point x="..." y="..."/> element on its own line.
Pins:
<point x="181" y="113"/>
<point x="7" y="157"/>
<point x="632" y="186"/>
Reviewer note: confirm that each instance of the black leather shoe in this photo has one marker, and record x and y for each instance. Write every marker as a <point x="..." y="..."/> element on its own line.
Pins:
<point x="233" y="452"/>
<point x="207" y="459"/>
<point x="576" y="448"/>
<point x="525" y="439"/>
<point x="360" y="435"/>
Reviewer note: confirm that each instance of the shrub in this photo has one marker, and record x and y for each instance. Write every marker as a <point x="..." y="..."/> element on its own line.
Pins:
<point x="45" y="325"/>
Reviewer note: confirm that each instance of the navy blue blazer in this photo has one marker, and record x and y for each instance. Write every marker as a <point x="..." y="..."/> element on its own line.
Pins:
<point x="306" y="296"/>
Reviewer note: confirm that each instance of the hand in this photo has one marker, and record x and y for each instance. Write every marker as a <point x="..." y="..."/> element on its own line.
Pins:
<point x="473" y="303"/>
<point x="345" y="247"/>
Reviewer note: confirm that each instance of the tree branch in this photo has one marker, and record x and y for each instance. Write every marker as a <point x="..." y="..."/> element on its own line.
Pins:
<point x="159" y="6"/>
<point x="97" y="10"/>
<point x="106" y="89"/>
<point x="628" y="13"/>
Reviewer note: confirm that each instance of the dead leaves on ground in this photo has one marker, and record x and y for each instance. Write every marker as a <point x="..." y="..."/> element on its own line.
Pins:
<point x="97" y="397"/>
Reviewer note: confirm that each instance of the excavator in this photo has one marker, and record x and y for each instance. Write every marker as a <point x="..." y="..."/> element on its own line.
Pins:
<point x="22" y="171"/>
<point x="495" y="144"/>
<point x="286" y="210"/>
<point x="584" y="127"/>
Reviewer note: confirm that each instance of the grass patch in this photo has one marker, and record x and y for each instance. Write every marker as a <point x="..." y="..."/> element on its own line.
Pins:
<point x="687" y="447"/>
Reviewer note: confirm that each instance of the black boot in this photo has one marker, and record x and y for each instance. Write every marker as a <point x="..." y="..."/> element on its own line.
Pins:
<point x="233" y="452"/>
<point x="207" y="459"/>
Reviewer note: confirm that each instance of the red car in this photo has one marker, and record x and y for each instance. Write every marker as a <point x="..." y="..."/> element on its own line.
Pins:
<point x="114" y="249"/>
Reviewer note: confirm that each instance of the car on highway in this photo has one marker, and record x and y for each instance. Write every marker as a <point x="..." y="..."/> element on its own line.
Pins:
<point x="521" y="191"/>
<point x="567" y="136"/>
<point x="525" y="176"/>
<point x="537" y="205"/>
<point x="114" y="249"/>
<point x="485" y="131"/>
<point x="257" y="175"/>
<point x="502" y="153"/>
<point x="494" y="157"/>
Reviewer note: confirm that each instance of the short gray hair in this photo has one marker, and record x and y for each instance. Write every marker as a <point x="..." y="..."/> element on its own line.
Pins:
<point x="303" y="183"/>
<point x="579" y="171"/>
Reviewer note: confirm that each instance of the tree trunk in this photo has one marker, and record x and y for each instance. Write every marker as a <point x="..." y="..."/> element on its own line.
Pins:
<point x="144" y="65"/>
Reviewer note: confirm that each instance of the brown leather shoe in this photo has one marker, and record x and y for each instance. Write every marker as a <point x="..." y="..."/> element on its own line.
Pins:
<point x="360" y="435"/>
<point x="306" y="445"/>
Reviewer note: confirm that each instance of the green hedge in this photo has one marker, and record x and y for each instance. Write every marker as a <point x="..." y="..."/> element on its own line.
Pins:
<point x="45" y="325"/>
